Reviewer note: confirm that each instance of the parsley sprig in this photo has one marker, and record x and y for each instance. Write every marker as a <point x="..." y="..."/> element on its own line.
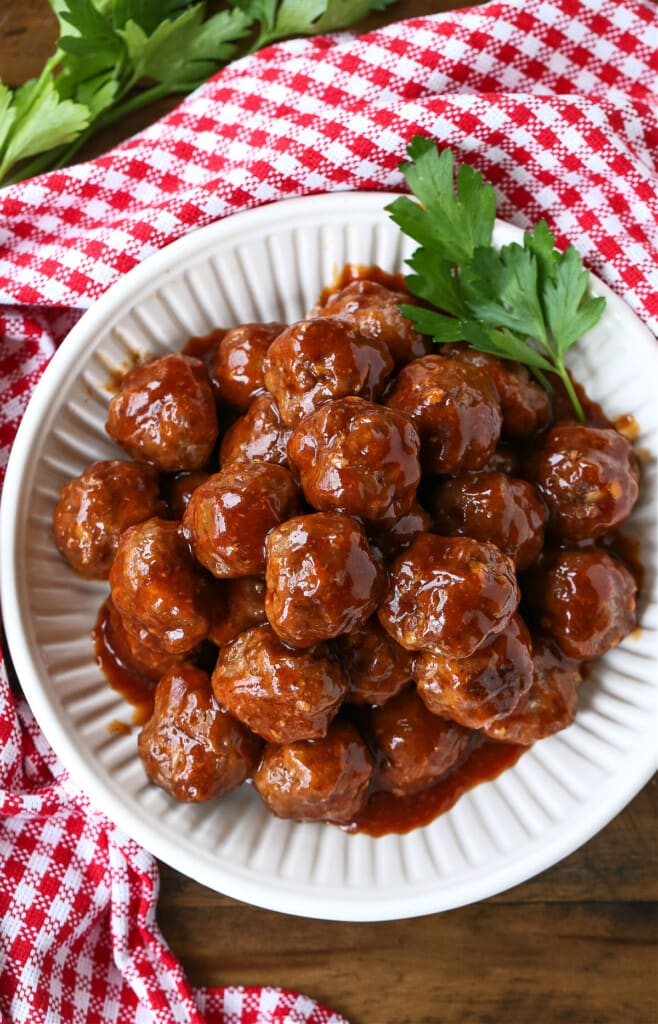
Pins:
<point x="525" y="302"/>
<point x="116" y="56"/>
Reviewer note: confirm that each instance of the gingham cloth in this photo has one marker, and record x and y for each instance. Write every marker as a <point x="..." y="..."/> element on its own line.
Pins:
<point x="556" y="102"/>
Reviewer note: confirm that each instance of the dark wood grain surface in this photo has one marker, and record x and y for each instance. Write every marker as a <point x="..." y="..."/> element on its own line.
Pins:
<point x="576" y="945"/>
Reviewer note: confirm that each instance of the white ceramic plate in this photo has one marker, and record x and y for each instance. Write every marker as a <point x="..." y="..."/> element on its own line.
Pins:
<point x="271" y="264"/>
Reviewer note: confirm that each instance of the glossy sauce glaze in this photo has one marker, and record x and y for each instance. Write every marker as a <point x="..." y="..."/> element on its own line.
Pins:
<point x="386" y="813"/>
<point x="375" y="559"/>
<point x="353" y="272"/>
<point x="135" y="688"/>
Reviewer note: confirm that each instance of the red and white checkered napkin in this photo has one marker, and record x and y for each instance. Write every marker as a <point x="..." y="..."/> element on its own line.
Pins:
<point x="554" y="101"/>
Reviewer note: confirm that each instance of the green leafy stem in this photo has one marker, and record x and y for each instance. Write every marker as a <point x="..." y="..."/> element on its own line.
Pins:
<point x="115" y="56"/>
<point x="529" y="302"/>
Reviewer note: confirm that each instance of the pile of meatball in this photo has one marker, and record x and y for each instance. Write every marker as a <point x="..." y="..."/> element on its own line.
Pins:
<point x="391" y="552"/>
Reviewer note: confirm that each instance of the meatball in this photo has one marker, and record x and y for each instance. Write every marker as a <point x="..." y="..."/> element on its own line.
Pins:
<point x="235" y="364"/>
<point x="525" y="405"/>
<point x="377" y="667"/>
<point x="392" y="540"/>
<point x="229" y="517"/>
<point x="317" y="780"/>
<point x="359" y="458"/>
<point x="449" y="595"/>
<point x="239" y="604"/>
<point x="258" y="436"/>
<point x="415" y="746"/>
<point x="96" y="507"/>
<point x="282" y="695"/>
<point x="588" y="478"/>
<point x="156" y="584"/>
<point x="550" y="703"/>
<point x="585" y="600"/>
<point x="493" y="507"/>
<point x="322" y="578"/>
<point x="180" y="489"/>
<point x="478" y="690"/>
<point x="165" y="413"/>
<point x="192" y="747"/>
<point x="126" y="642"/>
<point x="455" y="409"/>
<point x="374" y="311"/>
<point x="506" y="460"/>
<point x="316" y="360"/>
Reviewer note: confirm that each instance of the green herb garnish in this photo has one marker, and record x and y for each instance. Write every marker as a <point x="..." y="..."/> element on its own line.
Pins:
<point x="116" y="56"/>
<point x="524" y="302"/>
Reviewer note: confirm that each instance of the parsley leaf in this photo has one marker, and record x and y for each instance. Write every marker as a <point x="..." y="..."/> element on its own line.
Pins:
<point x="7" y="113"/>
<point x="263" y="11"/>
<point x="37" y="120"/>
<point x="94" y="32"/>
<point x="184" y="51"/>
<point x="437" y="282"/>
<point x="452" y="225"/>
<point x="569" y="312"/>
<point x="307" y="17"/>
<point x="527" y="302"/>
<point x="115" y="56"/>
<point x="501" y="288"/>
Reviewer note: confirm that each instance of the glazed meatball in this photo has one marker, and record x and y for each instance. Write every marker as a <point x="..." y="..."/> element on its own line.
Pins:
<point x="192" y="747"/>
<point x="524" y="403"/>
<point x="317" y="780"/>
<point x="316" y="360"/>
<point x="355" y="457"/>
<point x="550" y="703"/>
<point x="235" y="364"/>
<point x="238" y="605"/>
<point x="374" y="311"/>
<point x="493" y="507"/>
<point x="229" y="517"/>
<point x="258" y="436"/>
<point x="180" y="489"/>
<point x="588" y="478"/>
<point x="415" y="746"/>
<point x="322" y="578"/>
<point x="392" y="540"/>
<point x="377" y="667"/>
<point x="156" y="584"/>
<point x="96" y="507"/>
<point x="127" y="644"/>
<point x="506" y="460"/>
<point x="585" y="600"/>
<point x="478" y="690"/>
<point x="455" y="409"/>
<point x="449" y="595"/>
<point x="165" y="414"/>
<point x="281" y="694"/>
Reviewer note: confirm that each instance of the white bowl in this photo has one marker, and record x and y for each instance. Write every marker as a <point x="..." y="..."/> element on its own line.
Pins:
<point x="271" y="264"/>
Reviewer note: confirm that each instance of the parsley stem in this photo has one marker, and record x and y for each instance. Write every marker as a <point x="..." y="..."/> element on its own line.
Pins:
<point x="563" y="374"/>
<point x="142" y="99"/>
<point x="42" y="162"/>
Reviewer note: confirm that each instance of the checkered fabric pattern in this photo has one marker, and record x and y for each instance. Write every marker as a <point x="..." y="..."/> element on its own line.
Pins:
<point x="554" y="100"/>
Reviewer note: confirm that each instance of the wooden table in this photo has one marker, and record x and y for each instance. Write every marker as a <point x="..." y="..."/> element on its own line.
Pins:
<point x="577" y="944"/>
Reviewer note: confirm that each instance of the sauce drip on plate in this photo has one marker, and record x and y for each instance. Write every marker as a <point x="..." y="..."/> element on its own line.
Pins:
<point x="385" y="813"/>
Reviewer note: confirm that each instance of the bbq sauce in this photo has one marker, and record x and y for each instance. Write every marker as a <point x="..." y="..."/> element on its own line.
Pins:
<point x="136" y="688"/>
<point x="386" y="813"/>
<point x="357" y="272"/>
<point x="202" y="347"/>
